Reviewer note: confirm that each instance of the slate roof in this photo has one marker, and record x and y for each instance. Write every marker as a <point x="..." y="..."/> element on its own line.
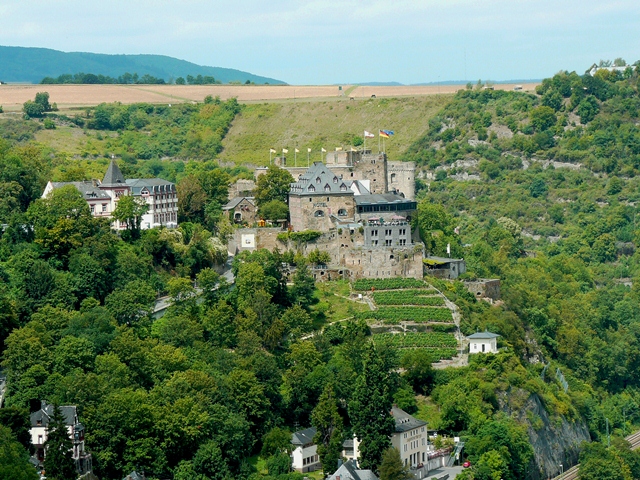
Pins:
<point x="483" y="336"/>
<point x="349" y="471"/>
<point x="154" y="185"/>
<point x="404" y="421"/>
<point x="114" y="176"/>
<point x="303" y="437"/>
<point x="233" y="203"/>
<point x="88" y="190"/>
<point x="46" y="412"/>
<point x="319" y="180"/>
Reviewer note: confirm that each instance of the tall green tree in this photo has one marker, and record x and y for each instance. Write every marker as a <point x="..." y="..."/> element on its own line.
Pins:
<point x="330" y="433"/>
<point x="14" y="458"/>
<point x="370" y="409"/>
<point x="58" y="462"/>
<point x="392" y="467"/>
<point x="129" y="211"/>
<point x="273" y="185"/>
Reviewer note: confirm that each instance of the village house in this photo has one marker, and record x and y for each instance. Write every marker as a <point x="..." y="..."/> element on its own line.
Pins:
<point x="483" y="342"/>
<point x="304" y="457"/>
<point x="160" y="195"/>
<point x="242" y="210"/>
<point x="39" y="427"/>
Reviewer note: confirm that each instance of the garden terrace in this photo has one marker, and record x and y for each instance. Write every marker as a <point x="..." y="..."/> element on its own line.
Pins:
<point x="365" y="284"/>
<point x="408" y="297"/>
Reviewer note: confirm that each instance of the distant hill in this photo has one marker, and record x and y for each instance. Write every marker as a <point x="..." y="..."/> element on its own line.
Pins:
<point x="30" y="65"/>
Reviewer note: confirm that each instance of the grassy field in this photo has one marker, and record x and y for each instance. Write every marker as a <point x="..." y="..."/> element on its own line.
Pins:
<point x="325" y="124"/>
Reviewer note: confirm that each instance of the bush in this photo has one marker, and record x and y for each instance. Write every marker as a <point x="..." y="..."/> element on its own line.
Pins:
<point x="49" y="124"/>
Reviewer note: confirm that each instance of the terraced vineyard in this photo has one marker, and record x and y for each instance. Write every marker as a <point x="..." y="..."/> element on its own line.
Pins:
<point x="408" y="297"/>
<point x="365" y="284"/>
<point x="396" y="315"/>
<point x="402" y="300"/>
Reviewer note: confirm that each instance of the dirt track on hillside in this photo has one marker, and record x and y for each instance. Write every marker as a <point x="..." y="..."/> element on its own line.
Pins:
<point x="72" y="96"/>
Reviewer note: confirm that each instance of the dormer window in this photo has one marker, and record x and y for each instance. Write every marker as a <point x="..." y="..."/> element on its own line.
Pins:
<point x="335" y="179"/>
<point x="311" y="188"/>
<point x="318" y="180"/>
<point x="343" y="188"/>
<point x="327" y="188"/>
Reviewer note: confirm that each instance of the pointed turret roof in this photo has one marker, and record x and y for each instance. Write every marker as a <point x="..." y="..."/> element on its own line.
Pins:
<point x="113" y="177"/>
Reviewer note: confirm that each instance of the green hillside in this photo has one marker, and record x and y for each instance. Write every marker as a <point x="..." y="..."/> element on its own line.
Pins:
<point x="325" y="124"/>
<point x="31" y="65"/>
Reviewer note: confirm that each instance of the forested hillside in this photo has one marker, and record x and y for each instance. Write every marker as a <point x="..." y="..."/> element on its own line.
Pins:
<point x="538" y="190"/>
<point x="31" y="65"/>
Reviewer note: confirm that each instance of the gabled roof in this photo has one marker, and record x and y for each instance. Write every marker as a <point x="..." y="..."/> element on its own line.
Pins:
<point x="483" y="336"/>
<point x="46" y="412"/>
<point x="114" y="176"/>
<point x="349" y="471"/>
<point x="404" y="421"/>
<point x="234" y="202"/>
<point x="320" y="180"/>
<point x="88" y="190"/>
<point x="303" y="437"/>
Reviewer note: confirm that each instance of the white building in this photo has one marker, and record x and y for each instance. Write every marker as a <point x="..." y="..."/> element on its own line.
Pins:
<point x="410" y="439"/>
<point x="39" y="427"/>
<point x="350" y="471"/>
<point x="483" y="342"/>
<point x="304" y="456"/>
<point x="160" y="195"/>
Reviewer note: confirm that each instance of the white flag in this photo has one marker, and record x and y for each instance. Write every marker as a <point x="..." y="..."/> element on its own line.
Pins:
<point x="368" y="134"/>
<point x="284" y="150"/>
<point x="308" y="150"/>
<point x="297" y="151"/>
<point x="324" y="151"/>
<point x="271" y="150"/>
<point x="338" y="149"/>
<point x="448" y="249"/>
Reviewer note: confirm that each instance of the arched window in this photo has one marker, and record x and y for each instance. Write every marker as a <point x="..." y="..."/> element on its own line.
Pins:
<point x="318" y="213"/>
<point x="342" y="212"/>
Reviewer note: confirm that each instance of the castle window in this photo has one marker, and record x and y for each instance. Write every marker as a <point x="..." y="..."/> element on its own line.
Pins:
<point x="335" y="179"/>
<point x="327" y="188"/>
<point x="343" y="188"/>
<point x="393" y="178"/>
<point x="318" y="180"/>
<point x="311" y="188"/>
<point x="342" y="212"/>
<point x="318" y="213"/>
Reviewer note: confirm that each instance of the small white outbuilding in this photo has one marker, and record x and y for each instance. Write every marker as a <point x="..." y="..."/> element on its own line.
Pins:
<point x="483" y="342"/>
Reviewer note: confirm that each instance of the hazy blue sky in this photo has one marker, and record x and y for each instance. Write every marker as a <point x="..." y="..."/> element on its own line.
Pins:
<point x="348" y="41"/>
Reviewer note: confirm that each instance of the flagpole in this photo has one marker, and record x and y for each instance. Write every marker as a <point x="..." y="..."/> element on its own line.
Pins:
<point x="378" y="140"/>
<point x="295" y="156"/>
<point x="308" y="155"/>
<point x="269" y="156"/>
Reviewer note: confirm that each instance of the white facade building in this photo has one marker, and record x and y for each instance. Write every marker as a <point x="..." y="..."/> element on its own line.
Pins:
<point x="483" y="342"/>
<point x="304" y="457"/>
<point x="160" y="195"/>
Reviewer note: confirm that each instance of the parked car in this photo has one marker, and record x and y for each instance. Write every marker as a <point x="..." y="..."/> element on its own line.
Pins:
<point x="466" y="464"/>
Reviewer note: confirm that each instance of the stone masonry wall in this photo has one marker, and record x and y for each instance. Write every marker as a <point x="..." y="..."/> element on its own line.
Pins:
<point x="402" y="177"/>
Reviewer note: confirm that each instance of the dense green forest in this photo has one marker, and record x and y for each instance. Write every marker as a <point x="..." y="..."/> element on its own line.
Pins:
<point x="213" y="388"/>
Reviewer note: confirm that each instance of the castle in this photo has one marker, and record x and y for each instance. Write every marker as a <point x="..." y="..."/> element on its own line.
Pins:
<point x="362" y="205"/>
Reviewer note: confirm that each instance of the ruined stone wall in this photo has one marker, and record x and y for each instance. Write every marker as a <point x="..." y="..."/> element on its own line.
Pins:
<point x="381" y="262"/>
<point x="402" y="177"/>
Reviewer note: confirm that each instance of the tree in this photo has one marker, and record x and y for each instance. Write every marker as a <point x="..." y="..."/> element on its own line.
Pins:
<point x="418" y="370"/>
<point x="330" y="434"/>
<point x="276" y="441"/>
<point x="392" y="468"/>
<point x="32" y="109"/>
<point x="58" y="462"/>
<point x="303" y="287"/>
<point x="273" y="185"/>
<point x="274" y="210"/>
<point x="180" y="81"/>
<point x="209" y="461"/>
<point x="14" y="458"/>
<point x="370" y="409"/>
<point x="42" y="98"/>
<point x="129" y="211"/>
<point x="542" y="118"/>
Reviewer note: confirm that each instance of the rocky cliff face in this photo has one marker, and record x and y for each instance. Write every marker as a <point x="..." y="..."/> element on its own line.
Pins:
<point x="555" y="439"/>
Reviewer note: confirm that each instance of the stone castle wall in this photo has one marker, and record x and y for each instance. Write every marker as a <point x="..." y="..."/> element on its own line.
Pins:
<point x="402" y="177"/>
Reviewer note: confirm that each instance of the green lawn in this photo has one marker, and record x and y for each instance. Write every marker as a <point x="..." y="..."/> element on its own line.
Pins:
<point x="331" y="305"/>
